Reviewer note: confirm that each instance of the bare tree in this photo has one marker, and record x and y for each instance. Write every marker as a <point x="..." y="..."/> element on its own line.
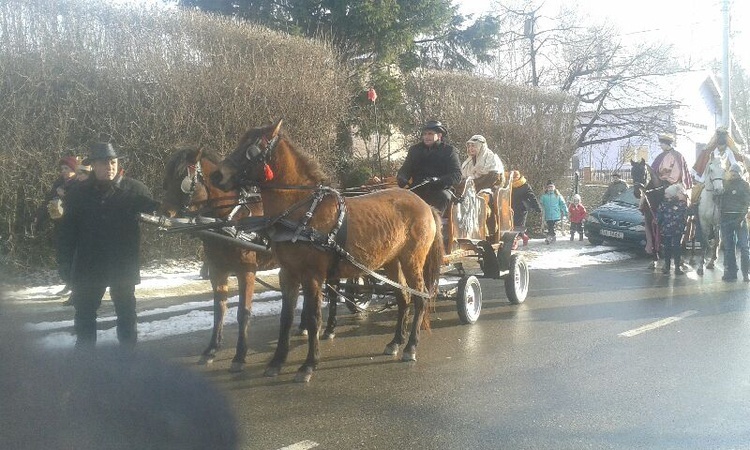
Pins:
<point x="611" y="76"/>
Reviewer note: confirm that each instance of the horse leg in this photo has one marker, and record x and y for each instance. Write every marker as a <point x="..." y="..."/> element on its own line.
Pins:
<point x="220" y="287"/>
<point x="332" y="294"/>
<point x="246" y="285"/>
<point x="402" y="300"/>
<point x="400" y="335"/>
<point x="414" y="278"/>
<point x="715" y="244"/>
<point x="313" y="293"/>
<point x="289" y="293"/>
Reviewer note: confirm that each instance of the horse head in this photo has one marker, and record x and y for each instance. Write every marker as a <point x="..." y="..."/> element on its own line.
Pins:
<point x="714" y="175"/>
<point x="640" y="175"/>
<point x="187" y="186"/>
<point x="247" y="165"/>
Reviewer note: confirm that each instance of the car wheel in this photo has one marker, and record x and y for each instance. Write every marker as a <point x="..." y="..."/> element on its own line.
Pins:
<point x="596" y="240"/>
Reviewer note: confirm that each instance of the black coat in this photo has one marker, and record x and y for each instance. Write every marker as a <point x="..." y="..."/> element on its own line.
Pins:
<point x="99" y="235"/>
<point x="522" y="199"/>
<point x="736" y="197"/>
<point x="423" y="162"/>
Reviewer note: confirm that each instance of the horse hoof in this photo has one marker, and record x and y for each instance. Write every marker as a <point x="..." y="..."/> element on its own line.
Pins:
<point x="272" y="372"/>
<point x="710" y="265"/>
<point x="699" y="271"/>
<point x="302" y="332"/>
<point x="391" y="349"/>
<point x="236" y="367"/>
<point x="409" y="356"/>
<point x="206" y="360"/>
<point x="303" y="377"/>
<point x="328" y="336"/>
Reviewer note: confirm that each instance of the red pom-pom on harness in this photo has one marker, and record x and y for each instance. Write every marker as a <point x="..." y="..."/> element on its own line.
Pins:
<point x="268" y="172"/>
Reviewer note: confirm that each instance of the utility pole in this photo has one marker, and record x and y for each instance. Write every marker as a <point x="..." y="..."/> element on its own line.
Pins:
<point x="529" y="32"/>
<point x="725" y="64"/>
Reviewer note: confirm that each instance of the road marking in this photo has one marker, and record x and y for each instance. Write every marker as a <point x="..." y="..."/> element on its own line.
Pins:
<point x="657" y="324"/>
<point x="302" y="445"/>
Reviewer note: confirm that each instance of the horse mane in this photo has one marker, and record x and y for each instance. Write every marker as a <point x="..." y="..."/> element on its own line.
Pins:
<point x="309" y="165"/>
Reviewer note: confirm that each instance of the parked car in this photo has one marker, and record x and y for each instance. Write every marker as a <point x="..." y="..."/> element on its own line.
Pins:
<point x="618" y="222"/>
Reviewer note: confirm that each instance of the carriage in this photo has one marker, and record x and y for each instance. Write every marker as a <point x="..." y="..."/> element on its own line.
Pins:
<point x="385" y="241"/>
<point x="476" y="225"/>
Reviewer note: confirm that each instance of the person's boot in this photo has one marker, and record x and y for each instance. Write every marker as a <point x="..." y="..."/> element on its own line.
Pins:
<point x="581" y="238"/>
<point x="572" y="237"/>
<point x="667" y="266"/>
<point x="678" y="266"/>
<point x="729" y="275"/>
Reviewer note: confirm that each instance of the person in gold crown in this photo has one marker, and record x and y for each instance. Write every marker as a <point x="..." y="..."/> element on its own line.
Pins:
<point x="670" y="165"/>
<point x="719" y="146"/>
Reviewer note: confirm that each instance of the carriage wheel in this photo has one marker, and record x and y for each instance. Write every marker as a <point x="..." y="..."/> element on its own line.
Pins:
<point x="360" y="291"/>
<point x="468" y="299"/>
<point x="517" y="280"/>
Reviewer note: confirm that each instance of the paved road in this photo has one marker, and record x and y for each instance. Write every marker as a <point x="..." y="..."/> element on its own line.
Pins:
<point x="610" y="356"/>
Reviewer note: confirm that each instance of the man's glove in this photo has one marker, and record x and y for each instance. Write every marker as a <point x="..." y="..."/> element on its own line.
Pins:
<point x="402" y="182"/>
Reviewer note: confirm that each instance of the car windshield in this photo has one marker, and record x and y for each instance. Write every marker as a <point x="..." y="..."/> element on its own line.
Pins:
<point x="628" y="198"/>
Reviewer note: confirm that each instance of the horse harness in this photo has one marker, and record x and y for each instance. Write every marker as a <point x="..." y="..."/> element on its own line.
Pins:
<point x="190" y="183"/>
<point x="282" y="229"/>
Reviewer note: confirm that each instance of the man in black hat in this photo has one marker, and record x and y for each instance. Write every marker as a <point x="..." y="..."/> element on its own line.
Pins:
<point x="432" y="167"/>
<point x="99" y="244"/>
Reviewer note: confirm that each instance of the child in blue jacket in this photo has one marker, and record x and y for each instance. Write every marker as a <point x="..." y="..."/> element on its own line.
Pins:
<point x="554" y="209"/>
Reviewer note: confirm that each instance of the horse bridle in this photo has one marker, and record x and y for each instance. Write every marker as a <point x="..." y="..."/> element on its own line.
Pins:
<point x="189" y="184"/>
<point x="254" y="158"/>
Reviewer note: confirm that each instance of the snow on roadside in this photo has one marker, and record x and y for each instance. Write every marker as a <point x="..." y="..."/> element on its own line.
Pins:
<point x="195" y="316"/>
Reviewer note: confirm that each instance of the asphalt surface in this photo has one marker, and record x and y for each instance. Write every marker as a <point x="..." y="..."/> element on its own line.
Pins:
<point x="614" y="356"/>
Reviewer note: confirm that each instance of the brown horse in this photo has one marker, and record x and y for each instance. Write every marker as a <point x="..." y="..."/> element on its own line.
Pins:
<point x="318" y="235"/>
<point x="188" y="191"/>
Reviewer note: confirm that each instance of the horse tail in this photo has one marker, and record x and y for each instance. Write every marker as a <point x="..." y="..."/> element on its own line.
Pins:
<point x="432" y="267"/>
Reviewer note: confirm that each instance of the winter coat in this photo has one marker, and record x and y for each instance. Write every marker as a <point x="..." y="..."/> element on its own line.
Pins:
<point x="553" y="205"/>
<point x="423" y="162"/>
<point x="671" y="215"/>
<point x="486" y="168"/>
<point x="736" y="197"/>
<point x="99" y="234"/>
<point x="614" y="189"/>
<point x="577" y="213"/>
<point x="522" y="198"/>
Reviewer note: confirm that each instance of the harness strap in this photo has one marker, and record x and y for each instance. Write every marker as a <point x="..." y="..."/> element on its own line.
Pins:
<point x="335" y="240"/>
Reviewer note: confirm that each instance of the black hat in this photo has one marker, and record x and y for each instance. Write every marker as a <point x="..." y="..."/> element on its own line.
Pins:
<point x="435" y="125"/>
<point x="99" y="151"/>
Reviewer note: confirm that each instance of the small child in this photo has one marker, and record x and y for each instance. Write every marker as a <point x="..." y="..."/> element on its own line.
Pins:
<point x="672" y="217"/>
<point x="554" y="209"/>
<point x="577" y="215"/>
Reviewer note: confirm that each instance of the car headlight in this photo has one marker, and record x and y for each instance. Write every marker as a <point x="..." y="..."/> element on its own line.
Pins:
<point x="592" y="219"/>
<point x="637" y="228"/>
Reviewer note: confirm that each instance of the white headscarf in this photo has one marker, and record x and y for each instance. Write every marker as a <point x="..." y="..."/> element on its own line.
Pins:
<point x="486" y="160"/>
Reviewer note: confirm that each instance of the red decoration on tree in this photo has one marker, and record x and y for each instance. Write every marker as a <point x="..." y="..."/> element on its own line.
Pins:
<point x="372" y="95"/>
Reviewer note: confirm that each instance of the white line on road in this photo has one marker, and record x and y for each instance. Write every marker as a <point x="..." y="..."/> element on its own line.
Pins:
<point x="302" y="445"/>
<point x="657" y="324"/>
